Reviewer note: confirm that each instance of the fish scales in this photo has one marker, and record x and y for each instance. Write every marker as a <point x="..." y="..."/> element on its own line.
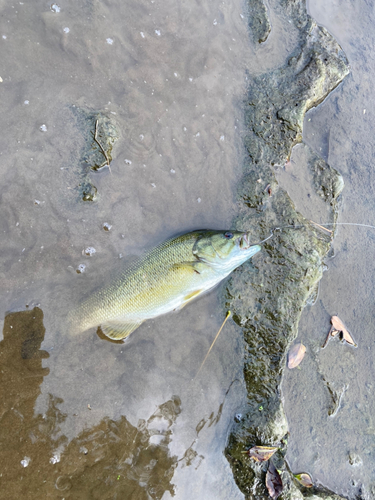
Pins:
<point x="142" y="287"/>
<point x="167" y="278"/>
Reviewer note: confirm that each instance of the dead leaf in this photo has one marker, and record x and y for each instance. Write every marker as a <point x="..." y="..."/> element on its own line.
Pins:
<point x="339" y="326"/>
<point x="262" y="453"/>
<point x="273" y="482"/>
<point x="332" y="333"/>
<point x="348" y="338"/>
<point x="304" y="479"/>
<point x="296" y="355"/>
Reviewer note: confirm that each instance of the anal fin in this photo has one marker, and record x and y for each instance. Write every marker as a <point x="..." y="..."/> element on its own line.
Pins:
<point x="117" y="330"/>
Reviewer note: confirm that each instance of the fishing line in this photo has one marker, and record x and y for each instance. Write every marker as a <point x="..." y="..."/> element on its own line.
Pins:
<point x="209" y="350"/>
<point x="270" y="236"/>
<point x="321" y="226"/>
<point x="298" y="226"/>
<point x="324" y="224"/>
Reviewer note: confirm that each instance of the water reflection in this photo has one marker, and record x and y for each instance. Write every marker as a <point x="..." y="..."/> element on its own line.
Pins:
<point x="113" y="459"/>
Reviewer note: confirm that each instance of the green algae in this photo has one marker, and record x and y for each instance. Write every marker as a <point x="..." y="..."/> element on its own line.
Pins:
<point x="100" y="134"/>
<point x="267" y="298"/>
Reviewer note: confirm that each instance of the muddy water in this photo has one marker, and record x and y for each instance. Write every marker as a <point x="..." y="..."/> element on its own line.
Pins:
<point x="98" y="419"/>
<point x="330" y="400"/>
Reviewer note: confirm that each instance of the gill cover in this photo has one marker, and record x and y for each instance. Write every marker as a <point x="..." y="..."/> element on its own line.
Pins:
<point x="213" y="246"/>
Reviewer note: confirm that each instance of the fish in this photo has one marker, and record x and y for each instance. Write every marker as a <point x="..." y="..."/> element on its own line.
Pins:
<point x="166" y="279"/>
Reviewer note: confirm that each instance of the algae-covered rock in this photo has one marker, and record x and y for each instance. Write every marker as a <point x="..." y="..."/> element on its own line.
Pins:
<point x="267" y="299"/>
<point x="259" y="23"/>
<point x="100" y="134"/>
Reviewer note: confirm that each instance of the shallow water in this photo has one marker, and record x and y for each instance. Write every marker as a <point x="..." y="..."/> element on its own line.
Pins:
<point x="171" y="77"/>
<point x="338" y="449"/>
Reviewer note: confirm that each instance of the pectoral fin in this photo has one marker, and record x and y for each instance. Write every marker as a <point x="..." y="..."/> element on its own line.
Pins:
<point x="189" y="267"/>
<point x="117" y="330"/>
<point x="191" y="296"/>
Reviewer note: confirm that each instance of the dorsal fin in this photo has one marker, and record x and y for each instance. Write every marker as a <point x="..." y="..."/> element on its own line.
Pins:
<point x="117" y="330"/>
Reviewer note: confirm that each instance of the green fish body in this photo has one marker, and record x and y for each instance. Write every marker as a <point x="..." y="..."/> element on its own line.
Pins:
<point x="164" y="280"/>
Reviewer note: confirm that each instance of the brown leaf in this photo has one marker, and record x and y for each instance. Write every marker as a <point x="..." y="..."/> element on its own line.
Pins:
<point x="304" y="479"/>
<point x="339" y="325"/>
<point x="273" y="482"/>
<point x="348" y="338"/>
<point x="296" y="355"/>
<point x="262" y="453"/>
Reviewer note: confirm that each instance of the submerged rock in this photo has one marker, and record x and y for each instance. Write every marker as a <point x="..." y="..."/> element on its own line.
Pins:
<point x="259" y="22"/>
<point x="100" y="134"/>
<point x="291" y="263"/>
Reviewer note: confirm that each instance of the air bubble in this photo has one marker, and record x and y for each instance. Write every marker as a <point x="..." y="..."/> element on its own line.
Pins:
<point x="89" y="251"/>
<point x="55" y="8"/>
<point x="55" y="458"/>
<point x="25" y="462"/>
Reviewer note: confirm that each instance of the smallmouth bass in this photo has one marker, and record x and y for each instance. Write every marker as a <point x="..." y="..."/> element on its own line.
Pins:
<point x="166" y="279"/>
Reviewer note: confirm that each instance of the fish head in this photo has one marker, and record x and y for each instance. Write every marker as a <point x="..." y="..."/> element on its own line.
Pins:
<point x="225" y="250"/>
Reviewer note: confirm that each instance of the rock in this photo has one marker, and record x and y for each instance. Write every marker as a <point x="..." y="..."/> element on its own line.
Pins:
<point x="291" y="263"/>
<point x="100" y="135"/>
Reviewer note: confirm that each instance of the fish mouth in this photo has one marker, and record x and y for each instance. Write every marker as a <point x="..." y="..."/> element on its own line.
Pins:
<point x="245" y="245"/>
<point x="244" y="242"/>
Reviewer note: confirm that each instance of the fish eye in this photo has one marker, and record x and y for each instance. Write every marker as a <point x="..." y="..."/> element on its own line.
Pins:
<point x="228" y="235"/>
